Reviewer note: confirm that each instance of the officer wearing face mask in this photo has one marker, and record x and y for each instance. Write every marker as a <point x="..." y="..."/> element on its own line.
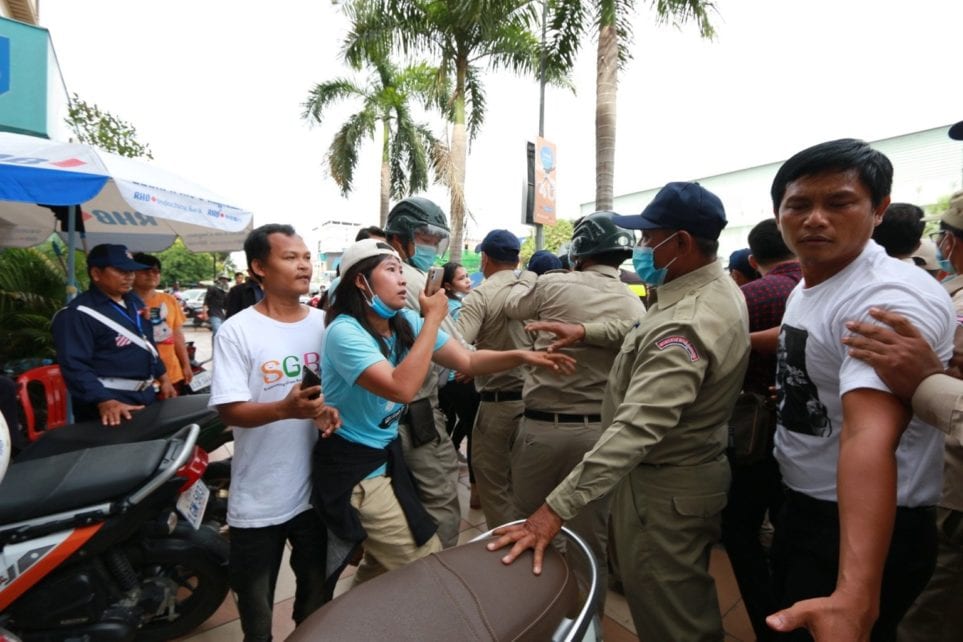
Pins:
<point x="418" y="230"/>
<point x="947" y="241"/>
<point x="665" y="415"/>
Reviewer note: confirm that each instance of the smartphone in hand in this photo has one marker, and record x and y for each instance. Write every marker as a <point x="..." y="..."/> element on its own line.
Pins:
<point x="309" y="379"/>
<point x="433" y="280"/>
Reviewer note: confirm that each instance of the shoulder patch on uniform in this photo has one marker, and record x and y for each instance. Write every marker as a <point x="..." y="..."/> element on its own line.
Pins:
<point x="680" y="341"/>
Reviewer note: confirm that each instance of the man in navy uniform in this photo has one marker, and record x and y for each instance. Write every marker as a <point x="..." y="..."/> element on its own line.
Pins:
<point x="105" y="346"/>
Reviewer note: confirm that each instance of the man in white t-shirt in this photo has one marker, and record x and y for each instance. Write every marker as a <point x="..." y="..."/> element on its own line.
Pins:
<point x="260" y="355"/>
<point x="862" y="476"/>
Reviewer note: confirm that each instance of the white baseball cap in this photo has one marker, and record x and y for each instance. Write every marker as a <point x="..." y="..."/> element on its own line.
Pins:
<point x="364" y="250"/>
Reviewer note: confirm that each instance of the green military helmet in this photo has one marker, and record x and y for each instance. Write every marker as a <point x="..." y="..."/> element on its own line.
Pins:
<point x="422" y="222"/>
<point x="596" y="233"/>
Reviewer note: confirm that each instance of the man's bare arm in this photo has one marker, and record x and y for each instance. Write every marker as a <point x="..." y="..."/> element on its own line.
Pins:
<point x="873" y="422"/>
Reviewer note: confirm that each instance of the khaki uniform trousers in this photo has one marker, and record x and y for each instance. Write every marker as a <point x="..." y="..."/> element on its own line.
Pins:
<point x="544" y="453"/>
<point x="937" y="614"/>
<point x="665" y="520"/>
<point x="491" y="445"/>
<point x="389" y="544"/>
<point x="435" y="468"/>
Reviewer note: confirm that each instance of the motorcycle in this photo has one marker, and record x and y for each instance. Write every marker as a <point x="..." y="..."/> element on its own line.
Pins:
<point x="106" y="543"/>
<point x="157" y="421"/>
<point x="466" y="592"/>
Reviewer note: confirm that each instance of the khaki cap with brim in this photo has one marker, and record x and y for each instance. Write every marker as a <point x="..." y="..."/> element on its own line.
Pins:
<point x="954" y="215"/>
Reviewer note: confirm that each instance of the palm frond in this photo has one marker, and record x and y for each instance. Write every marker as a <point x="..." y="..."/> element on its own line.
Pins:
<point x="323" y="94"/>
<point x="31" y="292"/>
<point x="474" y="102"/>
<point x="342" y="156"/>
<point x="679" y="12"/>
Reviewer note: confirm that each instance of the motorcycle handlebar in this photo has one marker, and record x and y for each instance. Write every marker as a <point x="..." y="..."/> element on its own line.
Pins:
<point x="189" y="435"/>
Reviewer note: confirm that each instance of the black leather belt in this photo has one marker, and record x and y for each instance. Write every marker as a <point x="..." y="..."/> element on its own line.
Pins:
<point x="501" y="395"/>
<point x="562" y="418"/>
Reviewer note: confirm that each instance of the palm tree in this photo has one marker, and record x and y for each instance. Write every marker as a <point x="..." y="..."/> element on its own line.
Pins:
<point x="406" y="145"/>
<point x="465" y="36"/>
<point x="611" y="19"/>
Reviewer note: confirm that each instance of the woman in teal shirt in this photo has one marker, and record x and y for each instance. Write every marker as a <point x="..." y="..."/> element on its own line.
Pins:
<point x="376" y="356"/>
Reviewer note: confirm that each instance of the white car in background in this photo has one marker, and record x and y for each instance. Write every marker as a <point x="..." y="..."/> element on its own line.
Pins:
<point x="193" y="302"/>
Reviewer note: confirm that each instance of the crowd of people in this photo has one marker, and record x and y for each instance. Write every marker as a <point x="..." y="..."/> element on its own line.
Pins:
<point x="648" y="426"/>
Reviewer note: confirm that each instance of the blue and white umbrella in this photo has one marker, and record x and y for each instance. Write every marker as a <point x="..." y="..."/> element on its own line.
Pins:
<point x="121" y="200"/>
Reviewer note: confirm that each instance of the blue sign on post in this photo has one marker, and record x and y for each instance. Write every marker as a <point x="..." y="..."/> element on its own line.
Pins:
<point x="23" y="78"/>
<point x="4" y="65"/>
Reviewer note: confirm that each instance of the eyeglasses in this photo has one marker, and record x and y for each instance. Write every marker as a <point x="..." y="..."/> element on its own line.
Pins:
<point x="937" y="237"/>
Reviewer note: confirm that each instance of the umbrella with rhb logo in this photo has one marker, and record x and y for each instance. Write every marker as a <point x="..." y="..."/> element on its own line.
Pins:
<point x="111" y="199"/>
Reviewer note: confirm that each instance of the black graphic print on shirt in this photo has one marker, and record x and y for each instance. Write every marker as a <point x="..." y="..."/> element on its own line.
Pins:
<point x="798" y="402"/>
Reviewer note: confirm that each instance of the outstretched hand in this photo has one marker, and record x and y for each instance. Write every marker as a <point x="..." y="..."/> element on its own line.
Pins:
<point x="901" y="357"/>
<point x="551" y="360"/>
<point x="536" y="533"/>
<point x="566" y="334"/>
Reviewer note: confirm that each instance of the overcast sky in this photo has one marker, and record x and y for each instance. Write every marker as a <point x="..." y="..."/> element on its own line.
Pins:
<point x="215" y="87"/>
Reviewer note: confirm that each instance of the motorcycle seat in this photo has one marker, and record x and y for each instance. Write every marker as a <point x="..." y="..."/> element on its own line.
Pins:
<point x="462" y="593"/>
<point x="158" y="420"/>
<point x="77" y="479"/>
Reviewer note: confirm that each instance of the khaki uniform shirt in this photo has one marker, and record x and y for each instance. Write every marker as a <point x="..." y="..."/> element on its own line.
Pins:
<point x="953" y="454"/>
<point x="482" y="321"/>
<point x="572" y="297"/>
<point x="939" y="402"/>
<point x="415" y="284"/>
<point x="672" y="386"/>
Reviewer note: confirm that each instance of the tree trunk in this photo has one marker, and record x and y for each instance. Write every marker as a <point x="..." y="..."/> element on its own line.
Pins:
<point x="385" y="175"/>
<point x="459" y="156"/>
<point x="607" y="62"/>
<point x="385" y="196"/>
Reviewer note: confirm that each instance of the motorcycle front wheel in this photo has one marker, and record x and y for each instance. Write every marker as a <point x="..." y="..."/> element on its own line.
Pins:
<point x="194" y="584"/>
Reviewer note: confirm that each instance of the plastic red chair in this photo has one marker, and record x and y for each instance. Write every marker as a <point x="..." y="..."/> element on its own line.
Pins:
<point x="51" y="382"/>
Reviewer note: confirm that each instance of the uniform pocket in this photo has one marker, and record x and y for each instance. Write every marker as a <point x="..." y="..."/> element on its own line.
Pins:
<point x="703" y="506"/>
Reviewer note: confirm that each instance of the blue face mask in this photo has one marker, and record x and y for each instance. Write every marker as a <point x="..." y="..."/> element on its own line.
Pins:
<point x="643" y="260"/>
<point x="376" y="304"/>
<point x="944" y="262"/>
<point x="424" y="257"/>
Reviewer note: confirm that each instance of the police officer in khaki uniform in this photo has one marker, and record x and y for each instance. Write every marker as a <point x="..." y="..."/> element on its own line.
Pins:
<point x="562" y="419"/>
<point x="418" y="230"/>
<point x="937" y="613"/>
<point x="482" y="321"/>
<point x="669" y="395"/>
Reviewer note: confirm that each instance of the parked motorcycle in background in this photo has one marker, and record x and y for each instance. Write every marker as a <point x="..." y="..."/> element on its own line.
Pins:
<point x="201" y="381"/>
<point x="106" y="543"/>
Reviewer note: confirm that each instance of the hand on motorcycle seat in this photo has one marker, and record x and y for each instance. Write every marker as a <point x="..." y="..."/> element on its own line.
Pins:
<point x="112" y="412"/>
<point x="536" y="533"/>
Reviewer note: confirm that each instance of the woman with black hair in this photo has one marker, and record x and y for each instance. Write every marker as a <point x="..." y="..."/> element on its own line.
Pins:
<point x="458" y="398"/>
<point x="376" y="356"/>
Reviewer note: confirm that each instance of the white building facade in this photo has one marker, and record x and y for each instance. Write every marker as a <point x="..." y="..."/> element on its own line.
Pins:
<point x="927" y="165"/>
